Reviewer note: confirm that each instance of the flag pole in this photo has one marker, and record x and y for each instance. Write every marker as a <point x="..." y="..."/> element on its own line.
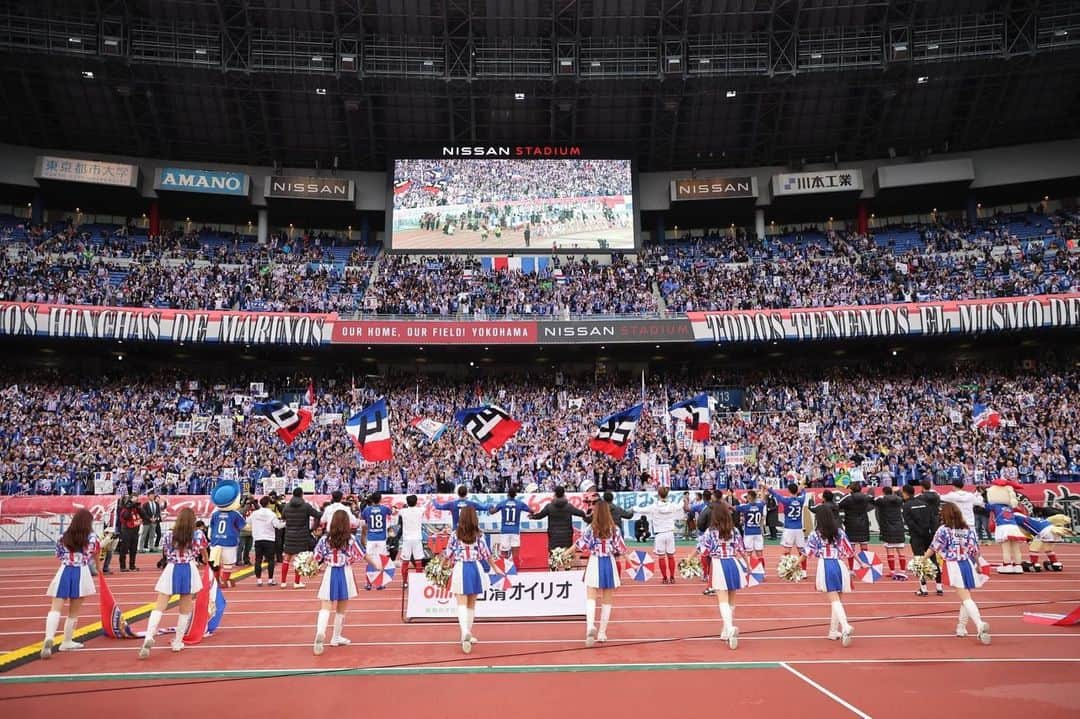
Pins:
<point x="643" y="386"/>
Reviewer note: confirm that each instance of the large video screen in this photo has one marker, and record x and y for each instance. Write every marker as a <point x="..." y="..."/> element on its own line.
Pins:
<point x="512" y="205"/>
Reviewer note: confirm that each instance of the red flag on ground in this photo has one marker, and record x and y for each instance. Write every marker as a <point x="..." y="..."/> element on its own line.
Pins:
<point x="201" y="617"/>
<point x="113" y="623"/>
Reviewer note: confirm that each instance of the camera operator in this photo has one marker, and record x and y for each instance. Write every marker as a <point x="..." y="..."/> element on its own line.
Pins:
<point x="130" y="519"/>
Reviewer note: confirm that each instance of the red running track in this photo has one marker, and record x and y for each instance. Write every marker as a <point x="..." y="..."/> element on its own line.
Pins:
<point x="904" y="648"/>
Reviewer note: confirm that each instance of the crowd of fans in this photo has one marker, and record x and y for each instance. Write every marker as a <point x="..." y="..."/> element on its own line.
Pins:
<point x="429" y="183"/>
<point x="718" y="272"/>
<point x="452" y="285"/>
<point x="889" y="424"/>
<point x="863" y="274"/>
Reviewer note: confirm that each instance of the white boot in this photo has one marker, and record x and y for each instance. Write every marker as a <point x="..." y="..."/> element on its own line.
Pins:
<point x="961" y="627"/>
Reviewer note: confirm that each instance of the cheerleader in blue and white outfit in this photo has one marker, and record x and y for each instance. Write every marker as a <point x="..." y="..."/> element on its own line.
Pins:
<point x="338" y="549"/>
<point x="76" y="549"/>
<point x="183" y="545"/>
<point x="469" y="577"/>
<point x="831" y="546"/>
<point x="724" y="545"/>
<point x="603" y="540"/>
<point x="958" y="545"/>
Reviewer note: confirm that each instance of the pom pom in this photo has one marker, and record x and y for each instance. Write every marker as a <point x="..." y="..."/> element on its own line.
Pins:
<point x="305" y="565"/>
<point x="561" y="559"/>
<point x="923" y="568"/>
<point x="790" y="568"/>
<point x="438" y="571"/>
<point x="690" y="567"/>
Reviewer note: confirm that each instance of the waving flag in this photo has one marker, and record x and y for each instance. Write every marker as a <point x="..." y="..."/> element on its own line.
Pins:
<point x="984" y="417"/>
<point x="612" y="433"/>
<point x="185" y="405"/>
<point x="489" y="425"/>
<point x="428" y="427"/>
<point x="695" y="413"/>
<point x="288" y="421"/>
<point x="309" y="396"/>
<point x="370" y="432"/>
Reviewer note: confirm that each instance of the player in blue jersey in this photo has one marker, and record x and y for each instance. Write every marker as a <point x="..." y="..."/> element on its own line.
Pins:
<point x="376" y="518"/>
<point x="454" y="507"/>
<point x="225" y="526"/>
<point x="792" y="504"/>
<point x="753" y="513"/>
<point x="510" y="511"/>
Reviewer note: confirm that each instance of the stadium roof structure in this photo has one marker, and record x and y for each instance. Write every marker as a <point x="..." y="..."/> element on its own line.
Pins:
<point x="672" y="83"/>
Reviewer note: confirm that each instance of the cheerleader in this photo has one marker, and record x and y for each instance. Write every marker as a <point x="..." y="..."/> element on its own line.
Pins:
<point x="182" y="544"/>
<point x="467" y="550"/>
<point x="831" y="546"/>
<point x="603" y="540"/>
<point x="958" y="545"/>
<point x="72" y="584"/>
<point x="338" y="549"/>
<point x="724" y="545"/>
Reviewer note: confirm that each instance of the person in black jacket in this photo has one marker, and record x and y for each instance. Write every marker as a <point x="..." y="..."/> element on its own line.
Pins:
<point x="921" y="517"/>
<point x="856" y="507"/>
<point x="890" y="519"/>
<point x="297" y="515"/>
<point x="560" y="516"/>
<point x="618" y="514"/>
<point x="828" y="504"/>
<point x="772" y="515"/>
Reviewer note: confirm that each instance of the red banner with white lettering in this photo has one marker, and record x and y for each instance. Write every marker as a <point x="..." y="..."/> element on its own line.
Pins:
<point x="433" y="332"/>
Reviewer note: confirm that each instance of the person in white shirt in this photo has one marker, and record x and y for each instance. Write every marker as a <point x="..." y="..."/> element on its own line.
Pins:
<point x="334" y="506"/>
<point x="264" y="522"/>
<point x="965" y="501"/>
<point x="663" y="515"/>
<point x="412" y="538"/>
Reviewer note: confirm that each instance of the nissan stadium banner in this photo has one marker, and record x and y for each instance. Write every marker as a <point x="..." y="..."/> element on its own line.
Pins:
<point x="600" y="331"/>
<point x="448" y="332"/>
<point x="714" y="188"/>
<point x="901" y="320"/>
<point x="812" y="183"/>
<point x="210" y="182"/>
<point x="310" y="188"/>
<point x="94" y="172"/>
<point x="132" y="323"/>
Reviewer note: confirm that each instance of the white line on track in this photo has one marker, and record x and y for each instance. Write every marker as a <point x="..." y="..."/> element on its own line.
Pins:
<point x="854" y="710"/>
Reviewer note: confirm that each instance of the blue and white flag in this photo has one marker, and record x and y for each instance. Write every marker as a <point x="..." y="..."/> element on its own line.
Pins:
<point x="694" y="412"/>
<point x="613" y="433"/>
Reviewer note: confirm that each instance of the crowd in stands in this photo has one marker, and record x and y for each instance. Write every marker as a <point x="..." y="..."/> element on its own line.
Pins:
<point x="889" y="423"/>
<point x="427" y="183"/>
<point x="452" y="285"/>
<point x="717" y="272"/>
